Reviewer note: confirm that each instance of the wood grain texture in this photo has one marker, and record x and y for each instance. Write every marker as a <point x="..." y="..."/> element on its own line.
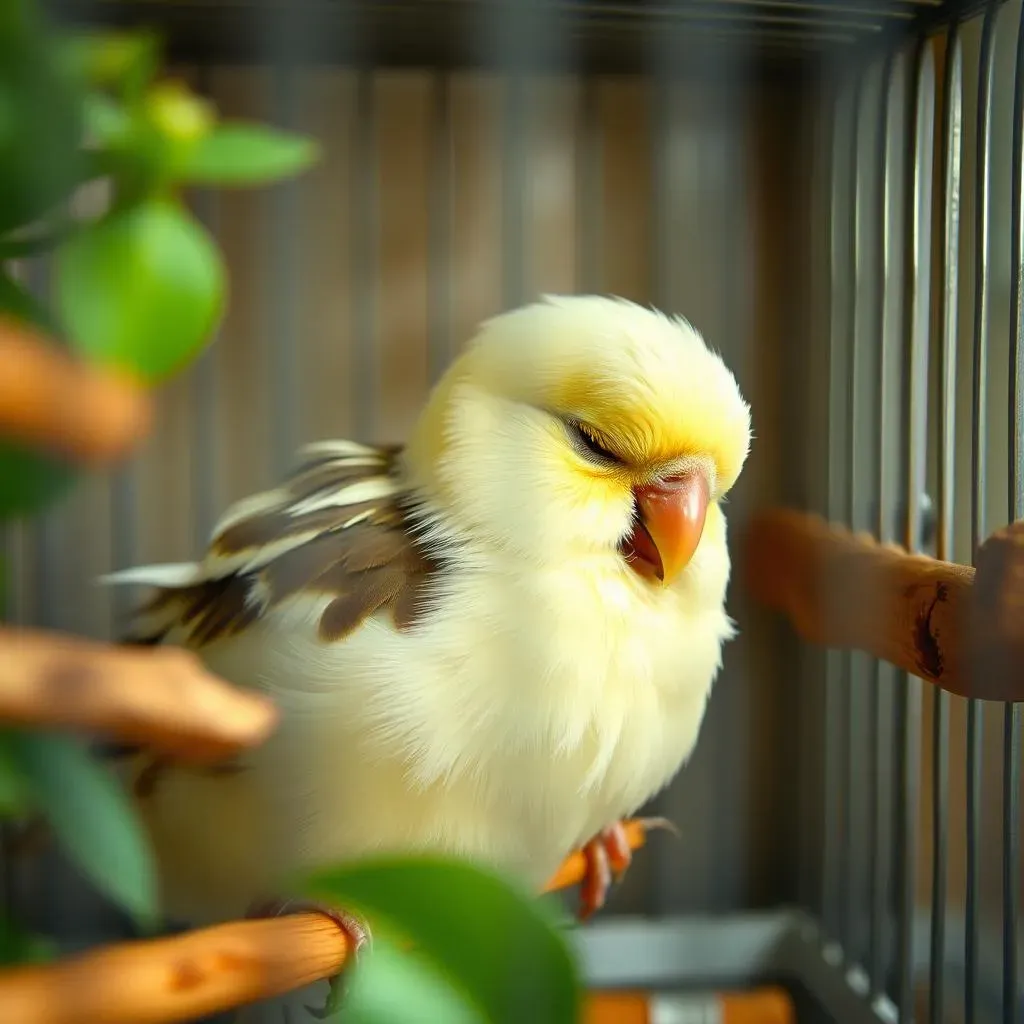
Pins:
<point x="162" y="697"/>
<point x="950" y="625"/>
<point x="176" y="979"/>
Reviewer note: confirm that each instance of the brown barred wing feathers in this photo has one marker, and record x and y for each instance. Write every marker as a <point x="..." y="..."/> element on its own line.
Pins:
<point x="337" y="527"/>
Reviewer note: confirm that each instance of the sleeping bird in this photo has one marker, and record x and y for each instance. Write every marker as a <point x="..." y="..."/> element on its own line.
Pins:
<point x="495" y="642"/>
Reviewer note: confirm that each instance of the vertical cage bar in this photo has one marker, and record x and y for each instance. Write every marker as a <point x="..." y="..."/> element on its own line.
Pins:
<point x="588" y="189"/>
<point x="661" y="187"/>
<point x="863" y="452"/>
<point x="835" y="839"/>
<point x="124" y="530"/>
<point x="850" y="767"/>
<point x="915" y="386"/>
<point x="952" y="132"/>
<point x="881" y="442"/>
<point x="663" y="883"/>
<point x="282" y="294"/>
<point x="124" y="539"/>
<point x="513" y="189"/>
<point x="1016" y="450"/>
<point x="439" y="332"/>
<point x="831" y="811"/>
<point x="1011" y="845"/>
<point x="1012" y="712"/>
<point x="979" y="437"/>
<point x="664" y="110"/>
<point x="44" y="611"/>
<point x="364" y="258"/>
<point x="205" y="455"/>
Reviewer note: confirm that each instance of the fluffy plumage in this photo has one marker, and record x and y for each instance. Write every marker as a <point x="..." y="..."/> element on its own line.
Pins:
<point x="465" y="651"/>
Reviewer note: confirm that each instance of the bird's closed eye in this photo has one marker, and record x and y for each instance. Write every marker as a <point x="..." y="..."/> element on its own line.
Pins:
<point x="586" y="443"/>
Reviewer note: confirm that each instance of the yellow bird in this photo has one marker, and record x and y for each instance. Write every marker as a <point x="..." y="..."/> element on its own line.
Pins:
<point x="496" y="641"/>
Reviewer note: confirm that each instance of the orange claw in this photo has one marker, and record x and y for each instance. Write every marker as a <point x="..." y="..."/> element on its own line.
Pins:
<point x="575" y="867"/>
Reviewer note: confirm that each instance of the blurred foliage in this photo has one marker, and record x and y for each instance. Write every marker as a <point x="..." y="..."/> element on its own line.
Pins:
<point x="139" y="285"/>
<point x="86" y="808"/>
<point x="499" y="947"/>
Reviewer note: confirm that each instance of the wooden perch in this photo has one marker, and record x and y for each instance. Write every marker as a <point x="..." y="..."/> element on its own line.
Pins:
<point x="176" y="979"/>
<point x="52" y="401"/>
<point x="960" y="629"/>
<point x="160" y="696"/>
<point x="161" y="981"/>
<point x="163" y="698"/>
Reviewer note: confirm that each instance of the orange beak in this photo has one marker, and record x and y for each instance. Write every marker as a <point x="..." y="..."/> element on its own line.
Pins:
<point x="672" y="514"/>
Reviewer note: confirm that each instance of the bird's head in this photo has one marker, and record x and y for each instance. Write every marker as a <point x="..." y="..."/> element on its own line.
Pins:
<point x="584" y="425"/>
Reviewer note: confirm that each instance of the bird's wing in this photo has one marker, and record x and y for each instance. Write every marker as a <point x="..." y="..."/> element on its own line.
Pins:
<point x="337" y="527"/>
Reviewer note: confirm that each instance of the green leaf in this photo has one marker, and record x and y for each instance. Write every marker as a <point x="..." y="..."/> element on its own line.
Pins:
<point x="498" y="944"/>
<point x="236" y="153"/>
<point x="147" y="142"/>
<point x="123" y="61"/>
<point x="91" y="815"/>
<point x="178" y="114"/>
<point x="393" y="987"/>
<point x="40" y="119"/>
<point x="141" y="290"/>
<point x="30" y="481"/>
<point x="105" y="120"/>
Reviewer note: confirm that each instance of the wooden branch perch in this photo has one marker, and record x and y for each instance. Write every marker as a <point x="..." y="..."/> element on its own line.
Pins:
<point x="177" y="979"/>
<point x="160" y="696"/>
<point x="50" y="400"/>
<point x="161" y="981"/>
<point x="960" y="629"/>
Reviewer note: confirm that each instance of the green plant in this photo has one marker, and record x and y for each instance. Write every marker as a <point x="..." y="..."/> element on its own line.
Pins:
<point x="139" y="287"/>
<point x="482" y="950"/>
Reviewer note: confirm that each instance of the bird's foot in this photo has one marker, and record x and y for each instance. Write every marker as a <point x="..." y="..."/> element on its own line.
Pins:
<point x="356" y="930"/>
<point x="608" y="857"/>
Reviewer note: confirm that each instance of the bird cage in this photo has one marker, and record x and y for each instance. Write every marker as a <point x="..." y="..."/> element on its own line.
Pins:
<point x="830" y="192"/>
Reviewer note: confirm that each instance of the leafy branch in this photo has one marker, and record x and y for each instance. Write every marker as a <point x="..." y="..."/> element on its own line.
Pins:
<point x="137" y="289"/>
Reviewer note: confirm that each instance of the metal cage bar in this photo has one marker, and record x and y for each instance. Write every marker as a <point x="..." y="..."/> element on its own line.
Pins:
<point x="849" y="659"/>
<point x="589" y="155"/>
<point x="282" y="299"/>
<point x="886" y="213"/>
<point x="979" y="516"/>
<point x="863" y="462"/>
<point x="915" y="391"/>
<point x="1012" y="717"/>
<point x="946" y="331"/>
<point x="364" y="254"/>
<point x="838" y="815"/>
<point x="206" y="467"/>
<point x="439" y="339"/>
<point x="513" y="190"/>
